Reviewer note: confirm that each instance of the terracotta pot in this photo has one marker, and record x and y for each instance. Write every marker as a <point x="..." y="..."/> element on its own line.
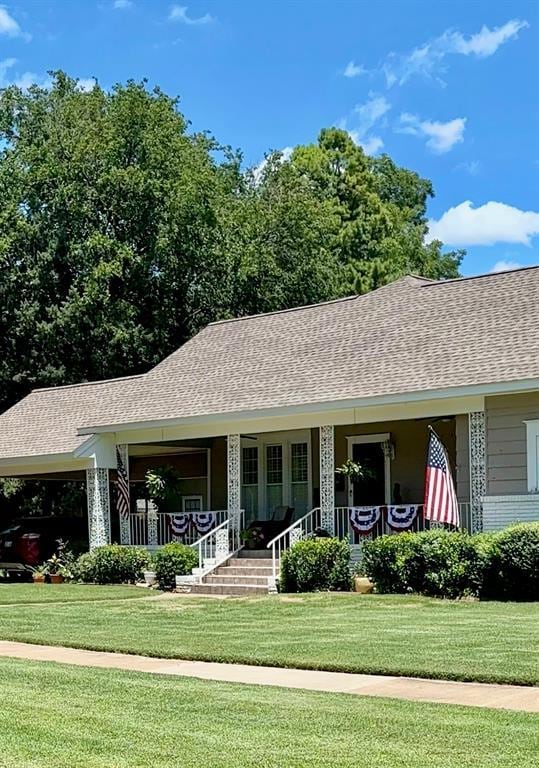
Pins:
<point x="56" y="578"/>
<point x="363" y="585"/>
<point x="39" y="578"/>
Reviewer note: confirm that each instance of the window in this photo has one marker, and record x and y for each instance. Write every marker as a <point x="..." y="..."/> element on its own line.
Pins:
<point x="192" y="503"/>
<point x="532" y="450"/>
<point x="274" y="477"/>
<point x="250" y="466"/>
<point x="274" y="464"/>
<point x="298" y="457"/>
<point x="299" y="478"/>
<point x="249" y="483"/>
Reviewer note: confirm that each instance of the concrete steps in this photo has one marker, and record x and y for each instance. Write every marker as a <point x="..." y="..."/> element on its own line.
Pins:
<point x="249" y="572"/>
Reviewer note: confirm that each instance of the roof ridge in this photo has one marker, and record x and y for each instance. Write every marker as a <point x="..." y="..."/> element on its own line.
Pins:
<point x="483" y="275"/>
<point x="317" y="304"/>
<point x="86" y="383"/>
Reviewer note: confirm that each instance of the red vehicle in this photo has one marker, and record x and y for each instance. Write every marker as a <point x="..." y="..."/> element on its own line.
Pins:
<point x="27" y="542"/>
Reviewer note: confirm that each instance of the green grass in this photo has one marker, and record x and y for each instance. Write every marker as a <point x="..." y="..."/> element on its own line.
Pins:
<point x="63" y="593"/>
<point x="72" y="717"/>
<point x="490" y="642"/>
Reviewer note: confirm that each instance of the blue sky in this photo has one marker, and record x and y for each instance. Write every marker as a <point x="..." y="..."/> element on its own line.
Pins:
<point x="448" y="89"/>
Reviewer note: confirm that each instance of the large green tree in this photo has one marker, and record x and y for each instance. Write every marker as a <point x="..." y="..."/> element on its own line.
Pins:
<point x="122" y="233"/>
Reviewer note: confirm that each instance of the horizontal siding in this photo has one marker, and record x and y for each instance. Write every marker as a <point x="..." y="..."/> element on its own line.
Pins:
<point x="499" y="512"/>
<point x="506" y="441"/>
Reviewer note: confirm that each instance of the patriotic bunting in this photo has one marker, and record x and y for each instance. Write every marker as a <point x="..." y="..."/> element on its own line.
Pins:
<point x="401" y="517"/>
<point x="203" y="522"/>
<point x="179" y="524"/>
<point x="363" y="519"/>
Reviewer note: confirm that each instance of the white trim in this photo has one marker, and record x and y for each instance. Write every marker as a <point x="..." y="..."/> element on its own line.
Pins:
<point x="380" y="438"/>
<point x="286" y="439"/>
<point x="532" y="454"/>
<point x="196" y="496"/>
<point x="476" y="390"/>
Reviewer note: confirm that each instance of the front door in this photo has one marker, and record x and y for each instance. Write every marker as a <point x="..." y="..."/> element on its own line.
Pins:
<point x="372" y="489"/>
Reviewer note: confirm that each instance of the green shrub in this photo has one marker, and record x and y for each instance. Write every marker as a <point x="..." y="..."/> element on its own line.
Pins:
<point x="514" y="568"/>
<point x="111" y="564"/>
<point x="173" y="560"/>
<point x="385" y="561"/>
<point x="316" y="564"/>
<point x="445" y="564"/>
<point x="437" y="563"/>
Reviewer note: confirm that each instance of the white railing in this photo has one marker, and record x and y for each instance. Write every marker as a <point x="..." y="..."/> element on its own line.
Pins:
<point x="217" y="546"/>
<point x="301" y="528"/>
<point x="307" y="525"/>
<point x="146" y="534"/>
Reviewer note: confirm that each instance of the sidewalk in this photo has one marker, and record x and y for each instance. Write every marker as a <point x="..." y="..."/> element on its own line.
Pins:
<point x="513" y="697"/>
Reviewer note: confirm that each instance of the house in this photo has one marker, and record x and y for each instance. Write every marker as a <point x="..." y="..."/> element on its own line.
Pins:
<point x="256" y="413"/>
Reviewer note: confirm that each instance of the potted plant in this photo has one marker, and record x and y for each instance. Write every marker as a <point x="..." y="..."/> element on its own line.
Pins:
<point x="54" y="569"/>
<point x="39" y="574"/>
<point x="362" y="584"/>
<point x="163" y="486"/>
<point x="253" y="538"/>
<point x="354" y="471"/>
<point x="149" y="574"/>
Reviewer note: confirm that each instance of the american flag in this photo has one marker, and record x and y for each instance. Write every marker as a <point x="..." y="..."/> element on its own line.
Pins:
<point x="122" y="501"/>
<point x="440" y="504"/>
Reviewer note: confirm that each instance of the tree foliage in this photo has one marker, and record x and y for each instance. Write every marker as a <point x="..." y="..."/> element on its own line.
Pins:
<point x="122" y="233"/>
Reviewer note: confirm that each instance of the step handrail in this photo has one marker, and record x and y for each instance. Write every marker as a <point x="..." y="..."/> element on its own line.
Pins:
<point x="292" y="526"/>
<point x="236" y="545"/>
<point x="275" y="543"/>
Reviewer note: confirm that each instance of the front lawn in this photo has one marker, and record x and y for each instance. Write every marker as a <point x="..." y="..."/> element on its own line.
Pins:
<point x="423" y="637"/>
<point x="18" y="594"/>
<point x="73" y="717"/>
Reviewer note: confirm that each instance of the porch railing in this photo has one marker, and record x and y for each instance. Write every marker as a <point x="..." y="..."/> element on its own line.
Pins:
<point x="153" y="529"/>
<point x="307" y="524"/>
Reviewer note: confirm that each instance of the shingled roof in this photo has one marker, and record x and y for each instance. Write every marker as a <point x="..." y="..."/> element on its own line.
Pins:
<point x="410" y="336"/>
<point x="47" y="420"/>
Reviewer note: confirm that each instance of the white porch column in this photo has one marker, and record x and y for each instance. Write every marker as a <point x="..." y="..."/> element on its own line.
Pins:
<point x="97" y="488"/>
<point x="234" y="479"/>
<point x="478" y="467"/>
<point x="124" y="515"/>
<point x="327" y="479"/>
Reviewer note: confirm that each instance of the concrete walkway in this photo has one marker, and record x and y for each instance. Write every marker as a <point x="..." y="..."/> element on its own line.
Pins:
<point x="514" y="697"/>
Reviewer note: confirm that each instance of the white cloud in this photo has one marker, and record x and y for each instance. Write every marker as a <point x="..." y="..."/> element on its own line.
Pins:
<point x="121" y="5"/>
<point x="258" y="170"/>
<point x="179" y="13"/>
<point x="441" y="137"/>
<point x="363" y="119"/>
<point x="471" y="167"/>
<point x="488" y="224"/>
<point x="24" y="80"/>
<point x="487" y="41"/>
<point x="427" y="60"/>
<point x="86" y="83"/>
<point x="353" y="70"/>
<point x="504" y="266"/>
<point x="8" y="25"/>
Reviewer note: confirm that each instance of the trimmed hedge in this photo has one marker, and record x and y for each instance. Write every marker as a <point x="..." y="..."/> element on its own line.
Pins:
<point x="438" y="563"/>
<point x="514" y="566"/>
<point x="111" y="564"/>
<point x="314" y="565"/>
<point x="173" y="560"/>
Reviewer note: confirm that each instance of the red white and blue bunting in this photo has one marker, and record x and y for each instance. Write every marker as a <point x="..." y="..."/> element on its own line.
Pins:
<point x="179" y="524"/>
<point x="402" y="517"/>
<point x="203" y="522"/>
<point x="363" y="519"/>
